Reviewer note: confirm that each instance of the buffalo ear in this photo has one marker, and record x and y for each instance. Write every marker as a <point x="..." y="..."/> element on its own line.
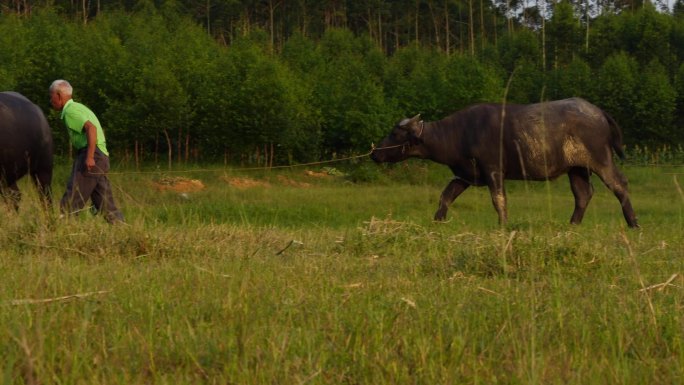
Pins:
<point x="416" y="130"/>
<point x="407" y="121"/>
<point x="411" y="125"/>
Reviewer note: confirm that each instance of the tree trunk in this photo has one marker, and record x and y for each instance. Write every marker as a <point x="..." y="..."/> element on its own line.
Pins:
<point x="187" y="147"/>
<point x="471" y="32"/>
<point x="170" y="148"/>
<point x="509" y="20"/>
<point x="396" y="35"/>
<point x="369" y="23"/>
<point x="245" y="22"/>
<point x="84" y="4"/>
<point x="304" y="19"/>
<point x="435" y="24"/>
<point x="543" y="35"/>
<point x="272" y="155"/>
<point x="460" y="33"/>
<point x="208" y="10"/>
<point x="494" y="28"/>
<point x="447" y="32"/>
<point x="586" y="16"/>
<point x="271" y="23"/>
<point x="135" y="154"/>
<point x="179" y="145"/>
<point x="380" y="39"/>
<point x="417" y="17"/>
<point x="482" y="25"/>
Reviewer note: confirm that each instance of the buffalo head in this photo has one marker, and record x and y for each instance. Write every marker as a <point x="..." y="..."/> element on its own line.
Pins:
<point x="401" y="142"/>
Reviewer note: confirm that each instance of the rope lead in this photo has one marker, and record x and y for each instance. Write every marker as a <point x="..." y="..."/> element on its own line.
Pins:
<point x="373" y="148"/>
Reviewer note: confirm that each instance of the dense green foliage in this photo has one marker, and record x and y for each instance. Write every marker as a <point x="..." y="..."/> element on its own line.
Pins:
<point x="313" y="280"/>
<point x="276" y="82"/>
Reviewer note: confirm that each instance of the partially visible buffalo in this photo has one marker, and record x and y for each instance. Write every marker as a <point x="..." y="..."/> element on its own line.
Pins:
<point x="25" y="147"/>
<point x="488" y="143"/>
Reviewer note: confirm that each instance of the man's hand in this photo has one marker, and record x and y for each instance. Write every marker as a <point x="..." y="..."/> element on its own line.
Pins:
<point x="90" y="163"/>
<point x="91" y="135"/>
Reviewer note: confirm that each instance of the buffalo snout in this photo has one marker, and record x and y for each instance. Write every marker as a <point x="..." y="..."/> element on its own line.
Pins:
<point x="375" y="155"/>
<point x="386" y="151"/>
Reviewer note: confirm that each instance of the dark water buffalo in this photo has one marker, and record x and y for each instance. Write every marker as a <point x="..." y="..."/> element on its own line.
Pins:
<point x="25" y="147"/>
<point x="488" y="143"/>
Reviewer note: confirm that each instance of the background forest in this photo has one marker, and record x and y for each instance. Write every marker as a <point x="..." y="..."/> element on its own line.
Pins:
<point x="286" y="81"/>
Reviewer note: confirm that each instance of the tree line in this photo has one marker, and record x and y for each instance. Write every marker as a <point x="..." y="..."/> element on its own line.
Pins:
<point x="280" y="82"/>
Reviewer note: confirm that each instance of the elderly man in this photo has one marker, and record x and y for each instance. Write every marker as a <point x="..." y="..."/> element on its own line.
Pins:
<point x="88" y="180"/>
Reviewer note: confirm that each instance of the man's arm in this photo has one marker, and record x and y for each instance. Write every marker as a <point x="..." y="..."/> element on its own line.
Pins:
<point x="91" y="135"/>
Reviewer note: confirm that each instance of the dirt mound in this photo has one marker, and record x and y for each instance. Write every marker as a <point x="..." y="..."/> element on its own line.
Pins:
<point x="316" y="174"/>
<point x="324" y="172"/>
<point x="244" y="183"/>
<point x="179" y="184"/>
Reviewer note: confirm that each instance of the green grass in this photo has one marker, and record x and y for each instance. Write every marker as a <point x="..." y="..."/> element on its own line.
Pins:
<point x="346" y="283"/>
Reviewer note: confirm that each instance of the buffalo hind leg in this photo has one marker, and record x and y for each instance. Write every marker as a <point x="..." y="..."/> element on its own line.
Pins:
<point x="617" y="183"/>
<point x="450" y="193"/>
<point x="582" y="189"/>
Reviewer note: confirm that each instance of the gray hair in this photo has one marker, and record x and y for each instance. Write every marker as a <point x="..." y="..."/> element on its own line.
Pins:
<point x="62" y="87"/>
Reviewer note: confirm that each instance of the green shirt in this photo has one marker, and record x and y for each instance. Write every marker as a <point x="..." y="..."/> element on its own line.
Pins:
<point x="75" y="115"/>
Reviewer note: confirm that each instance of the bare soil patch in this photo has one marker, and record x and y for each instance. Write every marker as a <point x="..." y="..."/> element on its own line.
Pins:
<point x="244" y="183"/>
<point x="316" y="174"/>
<point x="179" y="184"/>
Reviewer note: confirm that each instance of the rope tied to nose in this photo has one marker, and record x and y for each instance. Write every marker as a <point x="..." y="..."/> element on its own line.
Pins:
<point x="352" y="157"/>
<point x="403" y="146"/>
<point x="373" y="148"/>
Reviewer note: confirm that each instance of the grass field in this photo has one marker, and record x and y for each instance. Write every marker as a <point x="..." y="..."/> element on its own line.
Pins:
<point x="316" y="280"/>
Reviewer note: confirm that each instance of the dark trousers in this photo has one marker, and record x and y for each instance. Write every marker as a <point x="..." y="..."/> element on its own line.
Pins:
<point x="84" y="185"/>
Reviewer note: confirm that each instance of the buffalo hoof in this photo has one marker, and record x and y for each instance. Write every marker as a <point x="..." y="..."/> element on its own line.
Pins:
<point x="440" y="216"/>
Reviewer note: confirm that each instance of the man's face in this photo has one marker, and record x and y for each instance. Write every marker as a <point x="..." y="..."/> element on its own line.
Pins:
<point x="56" y="101"/>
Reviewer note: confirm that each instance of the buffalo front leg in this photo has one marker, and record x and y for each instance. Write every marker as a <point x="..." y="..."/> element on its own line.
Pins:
<point x="581" y="187"/>
<point x="43" y="181"/>
<point x="496" y="189"/>
<point x="450" y="193"/>
<point x="11" y="194"/>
